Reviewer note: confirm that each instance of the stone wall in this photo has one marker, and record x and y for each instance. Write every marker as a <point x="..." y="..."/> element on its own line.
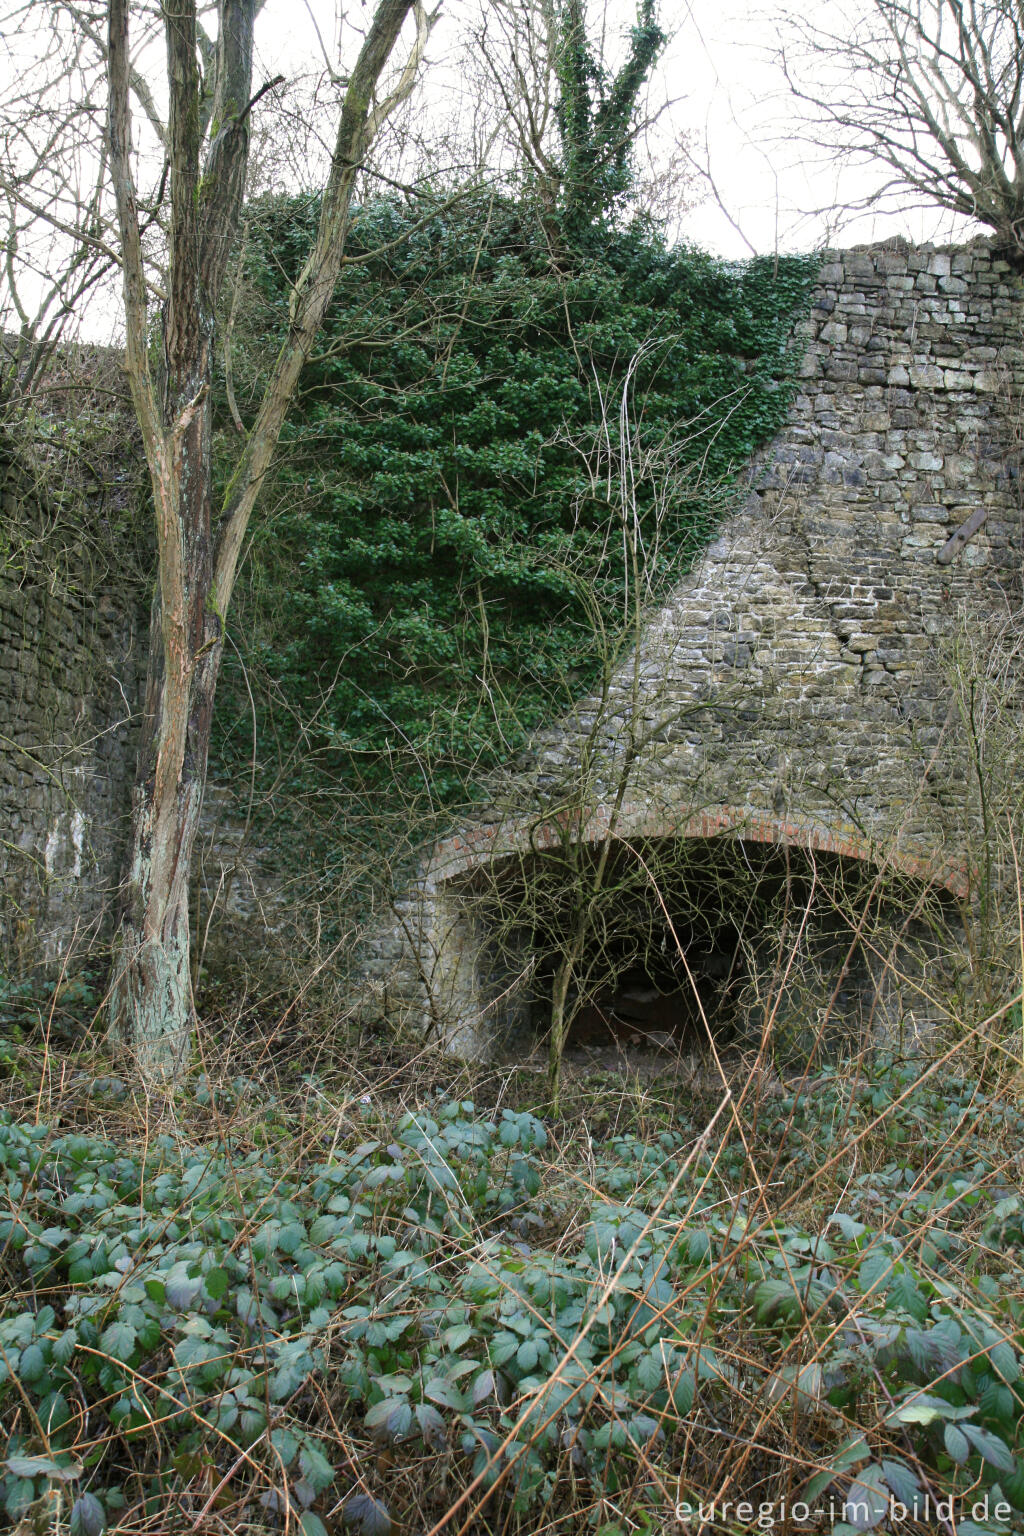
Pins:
<point x="794" y="691"/>
<point x="70" y="674"/>
<point x="799" y="686"/>
<point x="73" y="646"/>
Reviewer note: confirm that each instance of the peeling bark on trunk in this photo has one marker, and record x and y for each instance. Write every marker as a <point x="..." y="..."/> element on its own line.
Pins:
<point x="151" y="999"/>
<point x="151" y="1005"/>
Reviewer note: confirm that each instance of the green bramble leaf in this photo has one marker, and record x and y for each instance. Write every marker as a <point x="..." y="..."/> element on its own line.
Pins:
<point x="367" y="1515"/>
<point x="88" y="1517"/>
<point x="217" y="1283"/>
<point x="32" y="1365"/>
<point x="392" y="1416"/>
<point x="43" y="1466"/>
<point x="956" y="1443"/>
<point x="431" y="1424"/>
<point x="118" y="1341"/>
<point x="990" y="1447"/>
<point x="64" y="1346"/>
<point x="867" y="1499"/>
<point x="923" y="1408"/>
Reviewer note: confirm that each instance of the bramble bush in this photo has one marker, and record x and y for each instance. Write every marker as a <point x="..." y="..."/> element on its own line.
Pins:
<point x="447" y="1297"/>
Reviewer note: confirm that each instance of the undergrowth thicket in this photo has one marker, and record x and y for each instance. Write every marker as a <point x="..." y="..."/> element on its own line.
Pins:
<point x="303" y="1311"/>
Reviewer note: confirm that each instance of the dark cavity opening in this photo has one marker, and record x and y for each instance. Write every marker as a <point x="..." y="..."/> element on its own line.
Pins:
<point x="686" y="938"/>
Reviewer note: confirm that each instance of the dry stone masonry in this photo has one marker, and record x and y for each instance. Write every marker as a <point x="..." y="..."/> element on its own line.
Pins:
<point x="795" y="691"/>
<point x="69" y="681"/>
<point x="794" y="696"/>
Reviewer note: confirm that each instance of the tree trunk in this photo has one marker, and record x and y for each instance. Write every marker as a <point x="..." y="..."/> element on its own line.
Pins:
<point x="559" y="1030"/>
<point x="151" y="1005"/>
<point x="560" y="1016"/>
<point x="151" y="1000"/>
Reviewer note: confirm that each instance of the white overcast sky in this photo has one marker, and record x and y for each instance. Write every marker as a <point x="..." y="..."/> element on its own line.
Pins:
<point x="730" y="98"/>
<point x="782" y="194"/>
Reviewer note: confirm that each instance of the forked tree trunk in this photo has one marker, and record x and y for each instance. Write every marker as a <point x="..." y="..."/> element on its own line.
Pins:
<point x="151" y="1006"/>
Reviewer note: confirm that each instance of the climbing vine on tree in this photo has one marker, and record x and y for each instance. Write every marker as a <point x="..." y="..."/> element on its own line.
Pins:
<point x="442" y="543"/>
<point x="597" y="115"/>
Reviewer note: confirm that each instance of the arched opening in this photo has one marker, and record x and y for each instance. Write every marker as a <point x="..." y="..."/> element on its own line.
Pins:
<point x="678" y="939"/>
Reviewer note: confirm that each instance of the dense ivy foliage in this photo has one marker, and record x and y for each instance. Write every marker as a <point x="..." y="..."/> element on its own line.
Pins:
<point x="597" y="116"/>
<point x="208" y="1318"/>
<point x="447" y="538"/>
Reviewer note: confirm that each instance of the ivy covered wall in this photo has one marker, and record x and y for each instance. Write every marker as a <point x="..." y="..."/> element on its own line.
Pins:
<point x="443" y="558"/>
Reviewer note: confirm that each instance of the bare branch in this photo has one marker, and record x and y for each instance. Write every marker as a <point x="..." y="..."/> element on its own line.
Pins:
<point x="137" y="358"/>
<point x="931" y="89"/>
<point x="315" y="284"/>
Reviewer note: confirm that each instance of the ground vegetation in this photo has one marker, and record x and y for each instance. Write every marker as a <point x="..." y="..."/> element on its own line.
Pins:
<point x="311" y="1306"/>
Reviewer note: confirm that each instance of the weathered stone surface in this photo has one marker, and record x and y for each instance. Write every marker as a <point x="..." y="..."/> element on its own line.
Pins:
<point x="70" y="678"/>
<point x="792" y="688"/>
<point x="826" y="729"/>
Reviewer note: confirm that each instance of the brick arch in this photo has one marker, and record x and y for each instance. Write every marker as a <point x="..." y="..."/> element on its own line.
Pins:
<point x="477" y="848"/>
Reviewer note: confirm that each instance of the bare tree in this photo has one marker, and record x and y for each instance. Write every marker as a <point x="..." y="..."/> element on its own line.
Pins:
<point x="555" y="101"/>
<point x="200" y="160"/>
<point x="933" y="90"/>
<point x="53" y="175"/>
<point x="198" y="557"/>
